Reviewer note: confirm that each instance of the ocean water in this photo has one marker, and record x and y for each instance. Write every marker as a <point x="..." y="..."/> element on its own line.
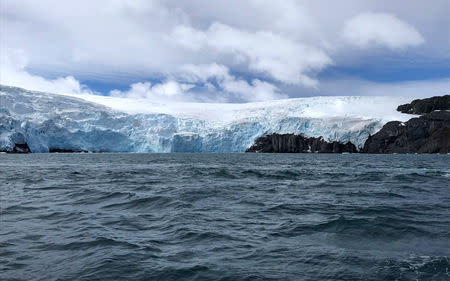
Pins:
<point x="224" y="217"/>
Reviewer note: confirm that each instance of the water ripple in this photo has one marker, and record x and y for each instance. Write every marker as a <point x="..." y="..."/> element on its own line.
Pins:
<point x="224" y="217"/>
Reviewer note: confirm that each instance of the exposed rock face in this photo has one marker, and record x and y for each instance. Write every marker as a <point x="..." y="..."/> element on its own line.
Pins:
<point x="290" y="143"/>
<point x="426" y="134"/>
<point x="424" y="106"/>
<point x="429" y="133"/>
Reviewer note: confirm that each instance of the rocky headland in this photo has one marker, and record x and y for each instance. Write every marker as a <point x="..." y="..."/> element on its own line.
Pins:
<point x="428" y="133"/>
<point x="424" y="106"/>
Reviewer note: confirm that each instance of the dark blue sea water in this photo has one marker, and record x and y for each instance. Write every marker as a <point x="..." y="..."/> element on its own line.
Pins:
<point x="224" y="217"/>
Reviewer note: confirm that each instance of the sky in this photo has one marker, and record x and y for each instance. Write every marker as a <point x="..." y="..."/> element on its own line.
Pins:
<point x="226" y="50"/>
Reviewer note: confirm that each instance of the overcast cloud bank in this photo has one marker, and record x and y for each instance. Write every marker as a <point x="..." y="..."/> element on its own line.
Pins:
<point x="223" y="51"/>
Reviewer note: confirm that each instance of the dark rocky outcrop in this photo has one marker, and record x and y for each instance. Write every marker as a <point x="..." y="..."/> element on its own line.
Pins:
<point x="290" y="143"/>
<point x="424" y="106"/>
<point x="429" y="133"/>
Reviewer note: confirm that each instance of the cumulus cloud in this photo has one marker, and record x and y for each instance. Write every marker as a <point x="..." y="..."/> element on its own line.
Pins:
<point x="215" y="78"/>
<point x="278" y="56"/>
<point x="204" y="72"/>
<point x="167" y="91"/>
<point x="380" y="29"/>
<point x="257" y="90"/>
<point x="221" y="85"/>
<point x="13" y="73"/>
<point x="214" y="74"/>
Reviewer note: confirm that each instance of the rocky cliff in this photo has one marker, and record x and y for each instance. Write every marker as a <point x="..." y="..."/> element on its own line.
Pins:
<point x="290" y="143"/>
<point x="429" y="133"/>
<point x="424" y="106"/>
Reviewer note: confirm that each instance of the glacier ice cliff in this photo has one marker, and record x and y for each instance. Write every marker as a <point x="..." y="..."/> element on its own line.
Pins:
<point x="94" y="123"/>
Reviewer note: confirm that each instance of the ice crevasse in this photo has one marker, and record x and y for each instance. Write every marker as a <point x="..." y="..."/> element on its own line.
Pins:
<point x="96" y="123"/>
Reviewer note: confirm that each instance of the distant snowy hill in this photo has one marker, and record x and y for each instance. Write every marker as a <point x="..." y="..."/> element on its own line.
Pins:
<point x="95" y="123"/>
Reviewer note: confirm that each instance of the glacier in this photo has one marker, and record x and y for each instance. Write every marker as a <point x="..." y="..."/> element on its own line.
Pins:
<point x="109" y="124"/>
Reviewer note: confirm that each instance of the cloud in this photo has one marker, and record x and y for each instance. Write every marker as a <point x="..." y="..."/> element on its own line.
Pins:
<point x="381" y="29"/>
<point x="216" y="79"/>
<point x="205" y="72"/>
<point x="256" y="90"/>
<point x="261" y="46"/>
<point x="213" y="78"/>
<point x="221" y="85"/>
<point x="167" y="91"/>
<point x="359" y="87"/>
<point x="214" y="74"/>
<point x="265" y="52"/>
<point x="418" y="89"/>
<point x="13" y="73"/>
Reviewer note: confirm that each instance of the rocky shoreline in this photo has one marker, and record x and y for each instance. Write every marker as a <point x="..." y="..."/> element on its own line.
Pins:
<point x="290" y="143"/>
<point x="429" y="133"/>
<point x="425" y="134"/>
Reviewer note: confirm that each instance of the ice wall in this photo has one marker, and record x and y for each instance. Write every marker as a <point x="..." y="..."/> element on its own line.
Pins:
<point x="93" y="123"/>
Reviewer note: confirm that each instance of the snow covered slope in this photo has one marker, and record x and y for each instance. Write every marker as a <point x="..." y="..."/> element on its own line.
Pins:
<point x="95" y="123"/>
